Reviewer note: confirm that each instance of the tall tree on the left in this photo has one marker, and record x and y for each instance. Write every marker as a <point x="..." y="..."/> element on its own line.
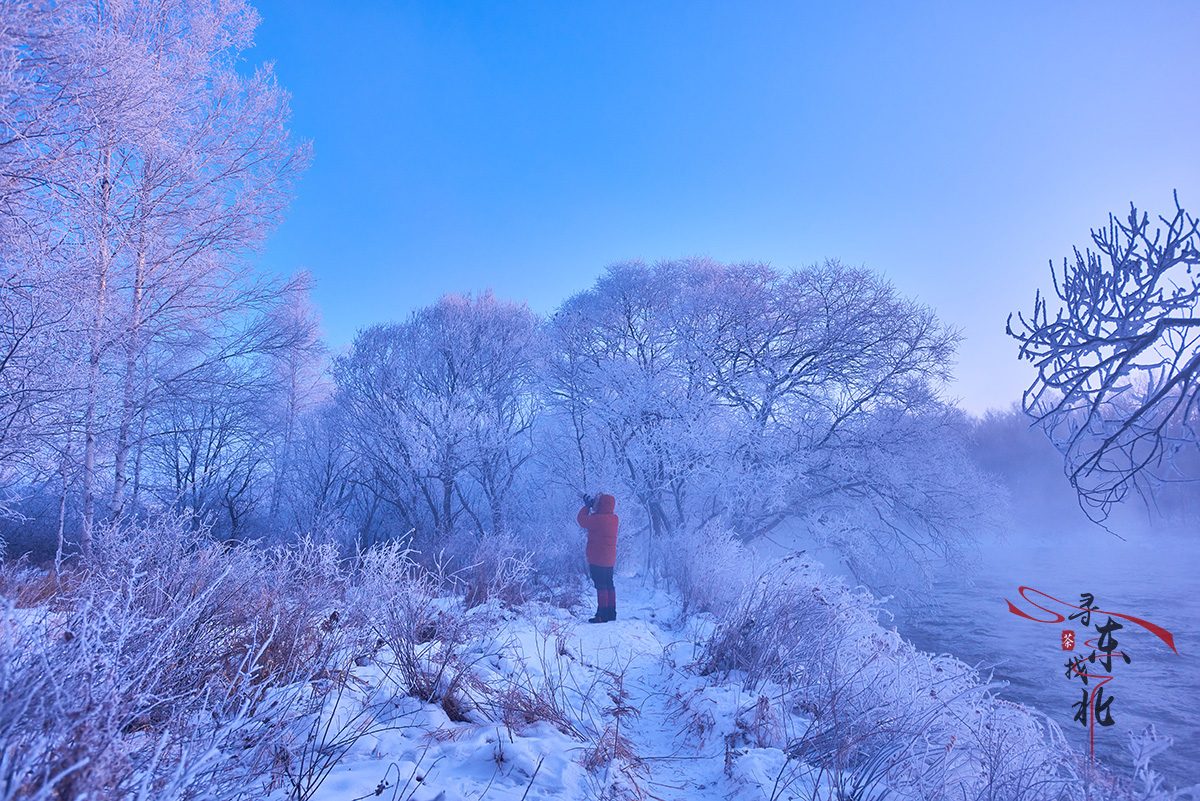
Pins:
<point x="164" y="167"/>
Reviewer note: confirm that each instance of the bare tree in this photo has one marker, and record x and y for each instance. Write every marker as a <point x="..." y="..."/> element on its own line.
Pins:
<point x="220" y="406"/>
<point x="322" y="486"/>
<point x="1116" y="389"/>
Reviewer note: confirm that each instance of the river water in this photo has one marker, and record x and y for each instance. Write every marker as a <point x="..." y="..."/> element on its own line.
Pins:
<point x="1152" y="576"/>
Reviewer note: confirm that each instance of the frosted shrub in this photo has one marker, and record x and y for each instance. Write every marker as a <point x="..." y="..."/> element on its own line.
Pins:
<point x="382" y="572"/>
<point x="881" y="715"/>
<point x="559" y="570"/>
<point x="774" y="628"/>
<point x="333" y="529"/>
<point x="90" y="697"/>
<point x="393" y="599"/>
<point x="1147" y="782"/>
<point x="152" y="658"/>
<point x="301" y="590"/>
<point x="422" y="629"/>
<point x="710" y="568"/>
<point x="498" y="568"/>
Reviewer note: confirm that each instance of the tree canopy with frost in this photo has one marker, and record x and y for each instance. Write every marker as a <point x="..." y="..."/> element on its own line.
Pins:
<point x="752" y="397"/>
<point x="439" y="411"/>
<point x="140" y="166"/>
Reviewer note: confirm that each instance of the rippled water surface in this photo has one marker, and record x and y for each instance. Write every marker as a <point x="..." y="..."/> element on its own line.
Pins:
<point x="1148" y="577"/>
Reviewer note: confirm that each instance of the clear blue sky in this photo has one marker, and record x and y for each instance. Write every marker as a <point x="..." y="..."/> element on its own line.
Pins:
<point x="954" y="147"/>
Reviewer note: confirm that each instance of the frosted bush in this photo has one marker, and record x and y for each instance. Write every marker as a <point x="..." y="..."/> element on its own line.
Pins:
<point x="151" y="659"/>
<point x="310" y="574"/>
<point x="383" y="571"/>
<point x="710" y="568"/>
<point x="771" y="631"/>
<point x="498" y="568"/>
<point x="128" y="672"/>
<point x="556" y="555"/>
<point x="175" y="548"/>
<point x="883" y="717"/>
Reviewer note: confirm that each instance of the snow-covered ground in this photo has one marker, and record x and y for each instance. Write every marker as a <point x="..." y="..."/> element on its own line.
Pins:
<point x="407" y="693"/>
<point x="638" y="723"/>
<point x="555" y="707"/>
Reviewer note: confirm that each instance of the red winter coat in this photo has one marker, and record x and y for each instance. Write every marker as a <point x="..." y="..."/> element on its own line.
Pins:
<point x="601" y="527"/>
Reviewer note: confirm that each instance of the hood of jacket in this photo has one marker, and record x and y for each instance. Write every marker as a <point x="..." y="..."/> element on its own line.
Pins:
<point x="605" y="504"/>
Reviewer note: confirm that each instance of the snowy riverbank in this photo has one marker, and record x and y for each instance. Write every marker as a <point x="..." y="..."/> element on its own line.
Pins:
<point x="189" y="672"/>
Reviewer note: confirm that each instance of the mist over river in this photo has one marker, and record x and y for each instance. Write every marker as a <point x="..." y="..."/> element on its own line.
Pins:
<point x="1150" y="575"/>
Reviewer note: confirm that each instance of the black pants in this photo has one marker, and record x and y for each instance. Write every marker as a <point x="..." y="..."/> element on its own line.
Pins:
<point x="606" y="593"/>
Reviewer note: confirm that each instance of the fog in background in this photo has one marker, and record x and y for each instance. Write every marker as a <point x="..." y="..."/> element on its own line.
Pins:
<point x="1144" y="565"/>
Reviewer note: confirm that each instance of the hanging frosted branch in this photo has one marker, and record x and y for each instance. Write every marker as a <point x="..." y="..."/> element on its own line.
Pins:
<point x="1116" y="386"/>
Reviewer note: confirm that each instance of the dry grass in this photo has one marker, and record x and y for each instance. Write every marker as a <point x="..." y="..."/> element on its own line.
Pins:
<point x="163" y="643"/>
<point x="166" y="643"/>
<point x="27" y="587"/>
<point x="518" y="706"/>
<point x="499" y="569"/>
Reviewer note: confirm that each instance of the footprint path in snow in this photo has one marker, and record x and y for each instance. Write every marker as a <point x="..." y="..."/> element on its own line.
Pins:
<point x="626" y="677"/>
<point x="678" y="756"/>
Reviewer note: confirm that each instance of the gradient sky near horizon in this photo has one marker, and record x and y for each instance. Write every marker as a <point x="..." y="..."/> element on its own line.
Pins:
<point x="953" y="147"/>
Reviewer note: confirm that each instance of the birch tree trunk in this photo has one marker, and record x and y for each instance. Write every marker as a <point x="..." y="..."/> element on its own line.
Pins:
<point x="103" y="262"/>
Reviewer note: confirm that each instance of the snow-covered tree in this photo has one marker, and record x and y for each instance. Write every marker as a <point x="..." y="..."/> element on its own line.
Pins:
<point x="628" y="377"/>
<point x="141" y="168"/>
<point x="438" y="411"/>
<point x="754" y="397"/>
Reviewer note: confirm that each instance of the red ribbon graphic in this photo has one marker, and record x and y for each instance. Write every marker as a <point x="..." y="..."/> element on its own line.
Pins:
<point x="1157" y="631"/>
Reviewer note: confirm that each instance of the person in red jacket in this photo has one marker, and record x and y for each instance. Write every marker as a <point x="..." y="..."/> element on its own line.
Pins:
<point x="601" y="524"/>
